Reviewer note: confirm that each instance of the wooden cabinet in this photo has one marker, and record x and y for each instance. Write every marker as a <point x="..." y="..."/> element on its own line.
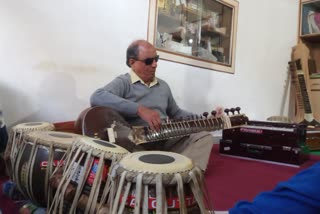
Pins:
<point x="315" y="95"/>
<point x="196" y="32"/>
<point x="309" y="33"/>
<point x="308" y="50"/>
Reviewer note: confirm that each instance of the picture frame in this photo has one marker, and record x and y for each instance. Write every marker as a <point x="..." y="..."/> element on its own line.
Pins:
<point x="200" y="33"/>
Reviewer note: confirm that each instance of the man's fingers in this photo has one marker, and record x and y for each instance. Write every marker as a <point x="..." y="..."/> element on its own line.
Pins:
<point x="152" y="126"/>
<point x="155" y="124"/>
<point x="151" y="117"/>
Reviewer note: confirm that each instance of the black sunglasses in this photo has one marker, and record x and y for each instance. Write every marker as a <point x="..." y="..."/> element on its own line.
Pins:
<point x="149" y="61"/>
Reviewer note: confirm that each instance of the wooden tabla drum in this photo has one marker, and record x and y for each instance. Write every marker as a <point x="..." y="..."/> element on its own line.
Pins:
<point x="40" y="153"/>
<point x="15" y="138"/>
<point x="84" y="186"/>
<point x="159" y="182"/>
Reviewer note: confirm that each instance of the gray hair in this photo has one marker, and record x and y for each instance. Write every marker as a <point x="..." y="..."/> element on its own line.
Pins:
<point x="132" y="52"/>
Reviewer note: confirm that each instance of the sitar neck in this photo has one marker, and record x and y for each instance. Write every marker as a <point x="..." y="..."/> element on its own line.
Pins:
<point x="179" y="129"/>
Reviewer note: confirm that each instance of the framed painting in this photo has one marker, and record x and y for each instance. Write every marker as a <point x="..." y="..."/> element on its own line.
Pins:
<point x="201" y="33"/>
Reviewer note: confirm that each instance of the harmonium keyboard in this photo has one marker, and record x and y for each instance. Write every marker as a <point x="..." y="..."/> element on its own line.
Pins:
<point x="283" y="143"/>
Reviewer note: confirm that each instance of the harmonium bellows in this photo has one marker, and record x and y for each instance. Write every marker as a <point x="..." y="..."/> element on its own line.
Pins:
<point x="277" y="142"/>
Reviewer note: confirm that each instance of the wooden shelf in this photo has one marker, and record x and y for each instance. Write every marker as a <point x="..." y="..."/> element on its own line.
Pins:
<point x="166" y="15"/>
<point x="310" y="51"/>
<point x="192" y="15"/>
<point x="207" y="30"/>
<point x="311" y="37"/>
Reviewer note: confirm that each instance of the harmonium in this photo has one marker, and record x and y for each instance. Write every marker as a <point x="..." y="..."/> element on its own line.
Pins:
<point x="313" y="139"/>
<point x="283" y="143"/>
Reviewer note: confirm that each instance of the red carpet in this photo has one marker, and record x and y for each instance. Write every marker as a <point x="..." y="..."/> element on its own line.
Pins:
<point x="228" y="179"/>
<point x="232" y="179"/>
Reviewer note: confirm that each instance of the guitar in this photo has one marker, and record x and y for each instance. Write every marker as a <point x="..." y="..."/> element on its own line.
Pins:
<point x="107" y="124"/>
<point x="303" y="102"/>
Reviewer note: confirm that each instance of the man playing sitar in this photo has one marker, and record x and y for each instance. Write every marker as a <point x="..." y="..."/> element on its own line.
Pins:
<point x="143" y="99"/>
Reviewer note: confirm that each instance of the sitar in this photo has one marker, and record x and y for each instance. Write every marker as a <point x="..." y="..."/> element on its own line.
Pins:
<point x="107" y="124"/>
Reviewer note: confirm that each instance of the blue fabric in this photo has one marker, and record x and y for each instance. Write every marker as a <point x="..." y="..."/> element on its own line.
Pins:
<point x="299" y="195"/>
<point x="11" y="190"/>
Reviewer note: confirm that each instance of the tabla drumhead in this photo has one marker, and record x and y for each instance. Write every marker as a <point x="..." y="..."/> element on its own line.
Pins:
<point x="99" y="146"/>
<point x="33" y="126"/>
<point x="15" y="138"/>
<point x="61" y="139"/>
<point x="156" y="162"/>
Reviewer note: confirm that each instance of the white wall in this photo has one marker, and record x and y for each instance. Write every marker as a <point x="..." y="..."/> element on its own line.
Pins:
<point x="54" y="54"/>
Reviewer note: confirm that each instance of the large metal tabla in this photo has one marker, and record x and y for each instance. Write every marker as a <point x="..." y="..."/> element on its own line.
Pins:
<point x="159" y="182"/>
<point x="84" y="186"/>
<point x="15" y="139"/>
<point x="39" y="154"/>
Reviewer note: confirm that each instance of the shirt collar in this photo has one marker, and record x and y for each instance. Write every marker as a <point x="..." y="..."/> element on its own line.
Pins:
<point x="135" y="78"/>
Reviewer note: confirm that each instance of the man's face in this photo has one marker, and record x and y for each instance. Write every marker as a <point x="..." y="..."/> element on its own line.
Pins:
<point x="145" y="72"/>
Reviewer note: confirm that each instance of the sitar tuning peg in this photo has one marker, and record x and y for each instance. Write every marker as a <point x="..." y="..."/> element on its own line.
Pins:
<point x="238" y="109"/>
<point x="205" y="114"/>
<point x="232" y="110"/>
<point x="227" y="111"/>
<point x="214" y="113"/>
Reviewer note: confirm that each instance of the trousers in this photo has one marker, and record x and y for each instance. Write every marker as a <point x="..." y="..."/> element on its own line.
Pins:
<point x="197" y="147"/>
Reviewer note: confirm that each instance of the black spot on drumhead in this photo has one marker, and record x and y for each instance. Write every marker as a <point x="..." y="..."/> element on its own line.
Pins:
<point x="33" y="124"/>
<point x="60" y="135"/>
<point x="104" y="143"/>
<point x="156" y="159"/>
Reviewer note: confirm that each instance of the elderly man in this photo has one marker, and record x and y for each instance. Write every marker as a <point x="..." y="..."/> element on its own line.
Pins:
<point x="143" y="99"/>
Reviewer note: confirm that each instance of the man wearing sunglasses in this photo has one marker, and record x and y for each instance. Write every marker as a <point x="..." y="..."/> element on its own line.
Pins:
<point x="143" y="99"/>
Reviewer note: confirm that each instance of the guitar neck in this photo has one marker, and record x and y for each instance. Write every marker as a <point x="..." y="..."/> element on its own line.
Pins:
<point x="304" y="93"/>
<point x="178" y="129"/>
<point x="302" y="88"/>
<point x="295" y="82"/>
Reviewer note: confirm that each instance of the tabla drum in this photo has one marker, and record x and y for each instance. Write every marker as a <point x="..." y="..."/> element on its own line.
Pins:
<point x="159" y="182"/>
<point x="84" y="186"/>
<point x="15" y="138"/>
<point x="40" y="153"/>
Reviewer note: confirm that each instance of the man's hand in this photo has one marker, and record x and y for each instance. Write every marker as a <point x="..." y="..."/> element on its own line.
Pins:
<point x="150" y="116"/>
<point x="220" y="111"/>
